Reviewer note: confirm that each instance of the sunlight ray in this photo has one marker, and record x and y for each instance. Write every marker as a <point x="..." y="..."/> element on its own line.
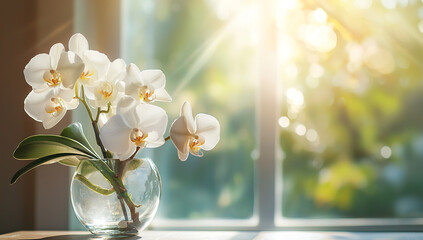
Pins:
<point x="54" y="33"/>
<point x="201" y="55"/>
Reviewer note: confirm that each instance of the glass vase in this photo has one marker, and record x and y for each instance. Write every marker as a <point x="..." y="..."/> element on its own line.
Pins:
<point x="116" y="198"/>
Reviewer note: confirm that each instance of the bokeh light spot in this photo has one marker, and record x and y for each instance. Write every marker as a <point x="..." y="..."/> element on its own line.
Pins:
<point x="300" y="129"/>
<point x="283" y="122"/>
<point x="311" y="135"/>
<point x="386" y="152"/>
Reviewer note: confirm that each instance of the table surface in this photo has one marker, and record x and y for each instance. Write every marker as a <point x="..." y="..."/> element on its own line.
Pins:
<point x="220" y="235"/>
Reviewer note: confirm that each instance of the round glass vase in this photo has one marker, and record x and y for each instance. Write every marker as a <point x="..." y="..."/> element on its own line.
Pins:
<point x="115" y="198"/>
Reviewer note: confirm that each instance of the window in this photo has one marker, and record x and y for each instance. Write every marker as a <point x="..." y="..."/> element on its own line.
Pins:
<point x="351" y="116"/>
<point x="319" y="101"/>
<point x="199" y="67"/>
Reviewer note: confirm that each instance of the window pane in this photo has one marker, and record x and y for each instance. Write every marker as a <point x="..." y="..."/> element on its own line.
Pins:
<point x="209" y="60"/>
<point x="352" y="110"/>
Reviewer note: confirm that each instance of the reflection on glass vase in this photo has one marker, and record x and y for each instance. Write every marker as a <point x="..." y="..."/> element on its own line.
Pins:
<point x="116" y="198"/>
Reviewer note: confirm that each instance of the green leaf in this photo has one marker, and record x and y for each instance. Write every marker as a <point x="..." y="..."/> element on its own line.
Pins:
<point x="70" y="161"/>
<point x="39" y="146"/>
<point x="85" y="168"/>
<point x="75" y="132"/>
<point x="134" y="164"/>
<point x="109" y="154"/>
<point x="44" y="160"/>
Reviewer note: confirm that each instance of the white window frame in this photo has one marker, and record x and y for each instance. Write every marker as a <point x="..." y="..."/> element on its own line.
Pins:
<point x="268" y="181"/>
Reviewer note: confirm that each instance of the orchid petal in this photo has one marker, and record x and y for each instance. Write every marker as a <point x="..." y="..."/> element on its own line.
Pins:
<point x="34" y="104"/>
<point x="186" y="112"/>
<point x="153" y="120"/>
<point x="154" y="78"/>
<point x="66" y="94"/>
<point x="89" y="91"/>
<point x="73" y="104"/>
<point x="55" y="54"/>
<point x="115" y="135"/>
<point x="35" y="107"/>
<point x="127" y="154"/>
<point x="180" y="134"/>
<point x="131" y="89"/>
<point x="209" y="128"/>
<point x="183" y="155"/>
<point x="154" y="144"/>
<point x="50" y="121"/>
<point x="70" y="67"/>
<point x="35" y="69"/>
<point x="78" y="44"/>
<point x="102" y="120"/>
<point x="133" y="74"/>
<point x="55" y="90"/>
<point x="126" y="107"/>
<point x="99" y="99"/>
<point x="106" y="116"/>
<point x="96" y="63"/>
<point x="116" y="97"/>
<point x="120" y="86"/>
<point x="116" y="71"/>
<point x="162" y="95"/>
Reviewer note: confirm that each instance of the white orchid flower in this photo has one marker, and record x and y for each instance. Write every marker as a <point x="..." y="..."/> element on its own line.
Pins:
<point x="57" y="71"/>
<point x="104" y="117"/>
<point x="190" y="135"/>
<point x="96" y="63"/>
<point x="134" y="125"/>
<point x="146" y="86"/>
<point x="78" y="44"/>
<point x="107" y="89"/>
<point x="49" y="108"/>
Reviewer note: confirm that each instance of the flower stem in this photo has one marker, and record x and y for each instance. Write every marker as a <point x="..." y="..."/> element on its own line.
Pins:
<point x="122" y="164"/>
<point x="104" y="168"/>
<point x="133" y="155"/>
<point x="102" y="111"/>
<point x="120" y="189"/>
<point x="97" y="137"/>
<point x="76" y="89"/>
<point x="94" y="122"/>
<point x="86" y="107"/>
<point x="122" y="205"/>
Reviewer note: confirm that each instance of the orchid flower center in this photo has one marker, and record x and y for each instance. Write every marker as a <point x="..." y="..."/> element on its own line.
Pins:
<point x="106" y="89"/>
<point x="55" y="106"/>
<point x="146" y="94"/>
<point x="52" y="78"/>
<point x="138" y="137"/>
<point x="86" y="77"/>
<point x="194" y="144"/>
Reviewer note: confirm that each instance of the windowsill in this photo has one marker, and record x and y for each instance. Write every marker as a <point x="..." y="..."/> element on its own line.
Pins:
<point x="292" y="224"/>
<point x="222" y="235"/>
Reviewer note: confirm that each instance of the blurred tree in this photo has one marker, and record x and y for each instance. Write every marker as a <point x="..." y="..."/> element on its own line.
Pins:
<point x="362" y="99"/>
